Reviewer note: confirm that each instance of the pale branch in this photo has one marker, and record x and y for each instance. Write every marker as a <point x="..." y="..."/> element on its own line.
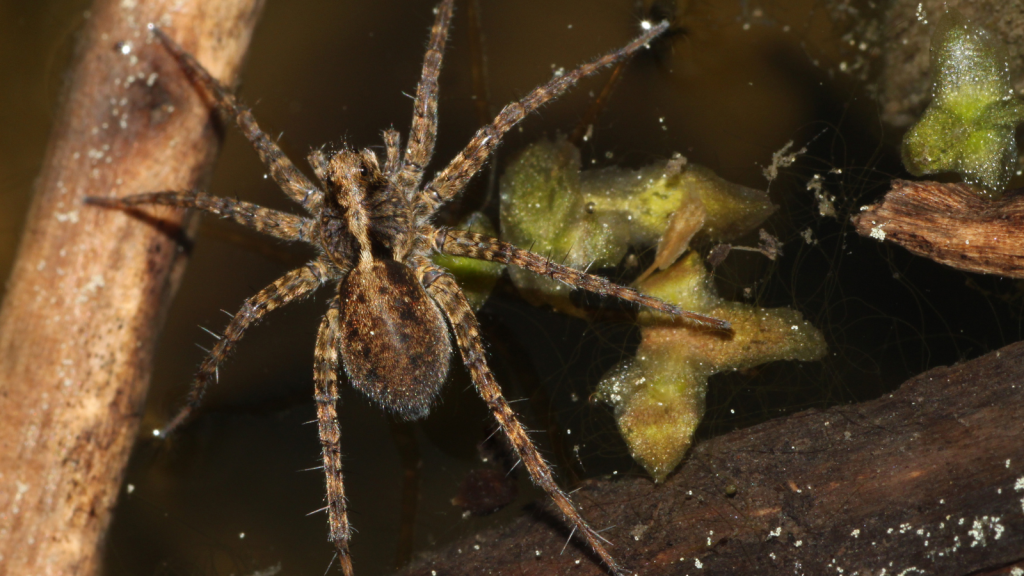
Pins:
<point x="90" y="286"/>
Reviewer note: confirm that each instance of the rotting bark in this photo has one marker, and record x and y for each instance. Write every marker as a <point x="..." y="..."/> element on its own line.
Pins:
<point x="950" y="224"/>
<point x="90" y="287"/>
<point x="926" y="480"/>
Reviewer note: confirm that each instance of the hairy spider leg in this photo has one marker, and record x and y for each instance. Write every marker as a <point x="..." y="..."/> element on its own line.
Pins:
<point x="325" y="378"/>
<point x="447" y="294"/>
<point x="423" y="132"/>
<point x="293" y="182"/>
<point x="274" y="223"/>
<point x="481" y="247"/>
<point x="450" y="181"/>
<point x="294" y="285"/>
<point x="392" y="164"/>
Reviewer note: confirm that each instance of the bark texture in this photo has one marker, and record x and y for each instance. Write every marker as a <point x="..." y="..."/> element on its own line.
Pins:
<point x="950" y="224"/>
<point x="90" y="286"/>
<point x="926" y="480"/>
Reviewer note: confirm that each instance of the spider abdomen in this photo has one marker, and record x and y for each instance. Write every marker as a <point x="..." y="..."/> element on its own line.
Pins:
<point x="395" y="343"/>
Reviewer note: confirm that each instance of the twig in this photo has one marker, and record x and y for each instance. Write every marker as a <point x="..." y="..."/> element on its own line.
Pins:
<point x="90" y="287"/>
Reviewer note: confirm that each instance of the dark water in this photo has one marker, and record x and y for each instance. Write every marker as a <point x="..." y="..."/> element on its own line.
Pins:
<point x="735" y="88"/>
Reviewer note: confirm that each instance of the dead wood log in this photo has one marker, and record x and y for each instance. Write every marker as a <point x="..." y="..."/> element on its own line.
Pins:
<point x="926" y="480"/>
<point x="950" y="224"/>
<point x="90" y="287"/>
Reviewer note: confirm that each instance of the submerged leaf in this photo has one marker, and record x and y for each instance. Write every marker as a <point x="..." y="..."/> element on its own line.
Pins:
<point x="969" y="126"/>
<point x="590" y="219"/>
<point x="658" y="396"/>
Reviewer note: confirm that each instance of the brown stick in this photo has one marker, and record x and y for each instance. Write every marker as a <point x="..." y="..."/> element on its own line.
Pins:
<point x="951" y="225"/>
<point x="90" y="286"/>
<point x="926" y="480"/>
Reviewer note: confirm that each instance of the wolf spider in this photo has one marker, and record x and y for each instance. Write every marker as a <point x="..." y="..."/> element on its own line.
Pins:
<point x="388" y="324"/>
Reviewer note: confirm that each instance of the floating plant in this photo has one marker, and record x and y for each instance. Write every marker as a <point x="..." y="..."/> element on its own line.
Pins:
<point x="969" y="126"/>
<point x="593" y="218"/>
<point x="658" y="395"/>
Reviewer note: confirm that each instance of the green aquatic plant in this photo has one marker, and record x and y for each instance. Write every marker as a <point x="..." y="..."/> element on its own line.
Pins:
<point x="969" y="126"/>
<point x="592" y="218"/>
<point x="658" y="396"/>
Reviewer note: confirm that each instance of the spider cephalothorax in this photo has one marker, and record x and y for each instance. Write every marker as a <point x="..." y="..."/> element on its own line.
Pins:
<point x="389" y="326"/>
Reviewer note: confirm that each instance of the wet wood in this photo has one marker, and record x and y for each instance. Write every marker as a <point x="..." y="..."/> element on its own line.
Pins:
<point x="90" y="286"/>
<point x="951" y="225"/>
<point x="926" y="480"/>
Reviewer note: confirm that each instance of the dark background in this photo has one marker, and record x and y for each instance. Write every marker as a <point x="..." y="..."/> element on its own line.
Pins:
<point x="735" y="87"/>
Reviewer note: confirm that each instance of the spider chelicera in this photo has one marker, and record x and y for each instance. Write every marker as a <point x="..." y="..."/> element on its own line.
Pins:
<point x="389" y="323"/>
